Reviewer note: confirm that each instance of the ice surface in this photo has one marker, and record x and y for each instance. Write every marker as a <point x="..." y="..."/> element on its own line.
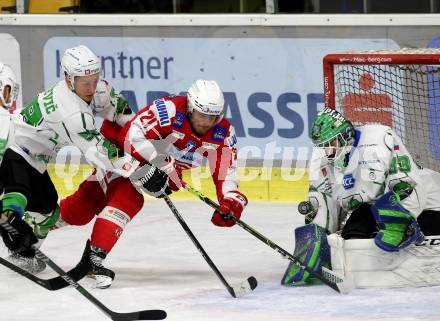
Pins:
<point x="157" y="266"/>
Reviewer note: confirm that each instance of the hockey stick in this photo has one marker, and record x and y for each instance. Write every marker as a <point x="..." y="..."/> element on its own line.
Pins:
<point x="328" y="277"/>
<point x="56" y="283"/>
<point x="138" y="315"/>
<point x="238" y="291"/>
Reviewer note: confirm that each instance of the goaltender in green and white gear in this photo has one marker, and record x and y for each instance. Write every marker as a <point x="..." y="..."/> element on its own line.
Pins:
<point x="62" y="115"/>
<point x="354" y="174"/>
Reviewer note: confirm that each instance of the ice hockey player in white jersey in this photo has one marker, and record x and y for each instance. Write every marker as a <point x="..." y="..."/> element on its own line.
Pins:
<point x="63" y="114"/>
<point x="364" y="184"/>
<point x="8" y="98"/>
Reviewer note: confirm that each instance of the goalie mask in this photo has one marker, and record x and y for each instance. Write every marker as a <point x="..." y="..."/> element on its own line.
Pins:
<point x="334" y="133"/>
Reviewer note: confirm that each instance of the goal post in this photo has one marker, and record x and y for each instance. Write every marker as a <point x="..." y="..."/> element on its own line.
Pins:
<point x="398" y="88"/>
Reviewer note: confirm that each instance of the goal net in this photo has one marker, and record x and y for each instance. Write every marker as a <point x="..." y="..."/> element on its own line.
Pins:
<point x="398" y="88"/>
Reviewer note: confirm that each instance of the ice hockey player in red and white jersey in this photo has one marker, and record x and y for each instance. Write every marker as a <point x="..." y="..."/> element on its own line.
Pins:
<point x="174" y="134"/>
<point x="178" y="133"/>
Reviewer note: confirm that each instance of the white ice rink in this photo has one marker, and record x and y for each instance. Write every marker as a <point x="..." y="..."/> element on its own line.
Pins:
<point x="157" y="266"/>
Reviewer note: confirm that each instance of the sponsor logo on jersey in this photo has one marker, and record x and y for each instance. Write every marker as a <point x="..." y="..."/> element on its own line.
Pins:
<point x="231" y="141"/>
<point x="369" y="161"/>
<point x="164" y="118"/>
<point x="189" y="157"/>
<point x="219" y="134"/>
<point x="396" y="147"/>
<point x="207" y="145"/>
<point x="348" y="181"/>
<point x="178" y="135"/>
<point x="180" y="118"/>
<point x="367" y="145"/>
<point x="190" y="145"/>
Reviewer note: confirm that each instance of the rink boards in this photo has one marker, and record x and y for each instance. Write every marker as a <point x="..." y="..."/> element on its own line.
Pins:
<point x="257" y="183"/>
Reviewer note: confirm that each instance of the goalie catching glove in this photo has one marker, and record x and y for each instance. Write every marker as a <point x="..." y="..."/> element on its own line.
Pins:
<point x="398" y="227"/>
<point x="233" y="203"/>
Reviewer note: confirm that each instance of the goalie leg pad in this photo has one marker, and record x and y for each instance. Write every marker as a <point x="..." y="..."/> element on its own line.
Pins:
<point x="312" y="248"/>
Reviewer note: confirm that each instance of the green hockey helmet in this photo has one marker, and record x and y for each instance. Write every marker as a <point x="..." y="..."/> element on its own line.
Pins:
<point x="332" y="131"/>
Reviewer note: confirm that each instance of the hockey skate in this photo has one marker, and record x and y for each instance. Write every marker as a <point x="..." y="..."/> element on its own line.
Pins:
<point x="103" y="277"/>
<point x="28" y="263"/>
<point x="41" y="225"/>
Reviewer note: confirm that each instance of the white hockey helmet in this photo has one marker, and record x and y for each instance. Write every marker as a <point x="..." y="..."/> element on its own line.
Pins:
<point x="7" y="78"/>
<point x="80" y="61"/>
<point x="206" y="97"/>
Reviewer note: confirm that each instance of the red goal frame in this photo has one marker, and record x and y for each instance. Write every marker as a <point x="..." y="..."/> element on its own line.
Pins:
<point x="331" y="60"/>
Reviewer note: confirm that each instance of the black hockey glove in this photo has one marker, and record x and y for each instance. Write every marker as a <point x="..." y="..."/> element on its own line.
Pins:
<point x="20" y="240"/>
<point x="151" y="180"/>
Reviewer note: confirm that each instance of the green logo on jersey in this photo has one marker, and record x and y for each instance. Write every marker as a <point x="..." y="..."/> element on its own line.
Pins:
<point x="400" y="164"/>
<point x="32" y="113"/>
<point x="88" y="134"/>
<point x="112" y="150"/>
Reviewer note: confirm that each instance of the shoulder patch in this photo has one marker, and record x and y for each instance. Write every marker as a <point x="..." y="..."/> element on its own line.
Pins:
<point x="180" y="118"/>
<point x="219" y="133"/>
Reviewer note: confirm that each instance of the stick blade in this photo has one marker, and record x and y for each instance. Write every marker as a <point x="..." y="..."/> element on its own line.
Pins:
<point x="139" y="315"/>
<point x="245" y="287"/>
<point x="152" y="315"/>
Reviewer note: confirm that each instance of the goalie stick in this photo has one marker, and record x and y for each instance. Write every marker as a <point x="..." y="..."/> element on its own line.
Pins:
<point x="56" y="283"/>
<point x="129" y="316"/>
<point x="328" y="277"/>
<point x="237" y="291"/>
